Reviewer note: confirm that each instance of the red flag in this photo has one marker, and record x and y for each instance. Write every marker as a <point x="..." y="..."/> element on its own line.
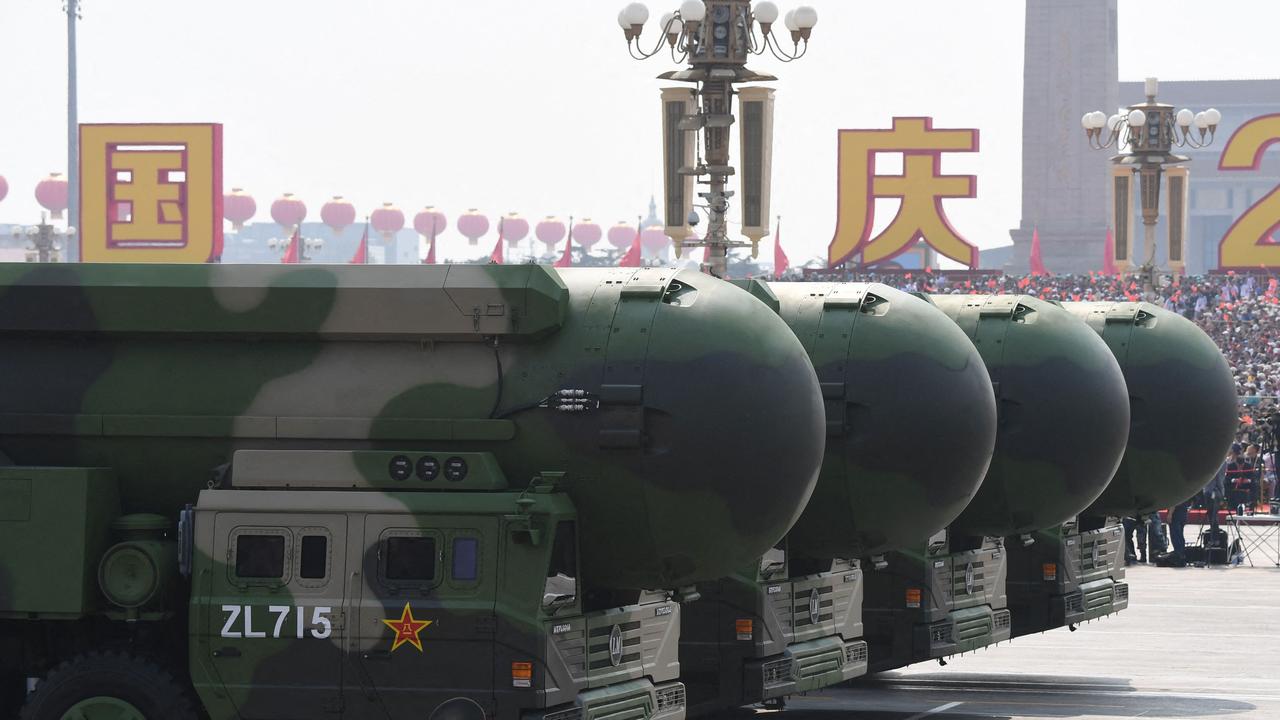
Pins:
<point x="496" y="255"/>
<point x="1109" y="255"/>
<point x="566" y="260"/>
<point x="780" y="262"/>
<point x="294" y="253"/>
<point x="1037" y="262"/>
<point x="632" y="257"/>
<point x="362" y="250"/>
<point x="431" y="252"/>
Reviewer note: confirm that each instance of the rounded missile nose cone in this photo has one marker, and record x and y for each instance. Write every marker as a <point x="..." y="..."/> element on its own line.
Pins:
<point x="1182" y="399"/>
<point x="911" y="418"/>
<point x="1062" y="407"/>
<point x="734" y="425"/>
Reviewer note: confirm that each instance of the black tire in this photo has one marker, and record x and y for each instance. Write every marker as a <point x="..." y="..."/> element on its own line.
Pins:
<point x="13" y="689"/>
<point x="153" y="691"/>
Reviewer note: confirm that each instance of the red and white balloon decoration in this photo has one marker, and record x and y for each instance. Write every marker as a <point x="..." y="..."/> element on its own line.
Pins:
<point x="622" y="235"/>
<point x="387" y="220"/>
<point x="473" y="226"/>
<point x="430" y="222"/>
<point x="550" y="231"/>
<point x="514" y="229"/>
<point x="51" y="193"/>
<point x="238" y="207"/>
<point x="4" y="187"/>
<point x="338" y="214"/>
<point x="587" y="233"/>
<point x="654" y="239"/>
<point x="288" y="212"/>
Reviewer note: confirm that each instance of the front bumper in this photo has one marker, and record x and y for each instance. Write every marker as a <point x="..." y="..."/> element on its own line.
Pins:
<point x="633" y="700"/>
<point x="1093" y="600"/>
<point x="804" y="667"/>
<point x="965" y="630"/>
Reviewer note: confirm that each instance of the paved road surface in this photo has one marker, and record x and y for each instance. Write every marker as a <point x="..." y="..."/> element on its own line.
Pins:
<point x="1194" y="643"/>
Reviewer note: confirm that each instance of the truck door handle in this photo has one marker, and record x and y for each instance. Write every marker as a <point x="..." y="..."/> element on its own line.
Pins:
<point x="227" y="652"/>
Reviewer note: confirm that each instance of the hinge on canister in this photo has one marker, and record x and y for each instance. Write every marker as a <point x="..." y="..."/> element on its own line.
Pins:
<point x="625" y="407"/>
<point x="833" y="397"/>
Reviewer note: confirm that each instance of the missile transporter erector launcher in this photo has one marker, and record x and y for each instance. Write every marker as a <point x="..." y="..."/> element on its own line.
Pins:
<point x="910" y="426"/>
<point x="381" y="491"/>
<point x="1062" y="419"/>
<point x="1182" y="402"/>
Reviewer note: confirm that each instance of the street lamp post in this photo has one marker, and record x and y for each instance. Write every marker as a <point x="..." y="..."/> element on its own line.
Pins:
<point x="44" y="241"/>
<point x="72" y="8"/>
<point x="281" y="245"/>
<point x="1146" y="134"/>
<point x="716" y="38"/>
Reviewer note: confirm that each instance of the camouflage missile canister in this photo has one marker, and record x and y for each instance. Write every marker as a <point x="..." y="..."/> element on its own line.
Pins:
<point x="911" y="419"/>
<point x="685" y="415"/>
<point x="1182" y="399"/>
<point x="1063" y="412"/>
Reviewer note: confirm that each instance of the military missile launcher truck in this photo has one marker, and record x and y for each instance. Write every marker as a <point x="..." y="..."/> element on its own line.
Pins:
<point x="1182" y="403"/>
<point x="1062" y="419"/>
<point x="392" y="492"/>
<point x="911" y="423"/>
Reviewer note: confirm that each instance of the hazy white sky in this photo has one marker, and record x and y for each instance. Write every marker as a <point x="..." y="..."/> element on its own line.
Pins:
<point x="535" y="106"/>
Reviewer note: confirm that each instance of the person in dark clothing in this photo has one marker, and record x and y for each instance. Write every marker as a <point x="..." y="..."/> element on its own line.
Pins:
<point x="1134" y="526"/>
<point x="1241" y="480"/>
<point x="1177" y="526"/>
<point x="1177" y="557"/>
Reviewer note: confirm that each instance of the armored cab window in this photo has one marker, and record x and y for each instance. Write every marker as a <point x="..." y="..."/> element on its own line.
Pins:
<point x="411" y="558"/>
<point x="562" y="574"/>
<point x="466" y="558"/>
<point x="260" y="556"/>
<point x="314" y="564"/>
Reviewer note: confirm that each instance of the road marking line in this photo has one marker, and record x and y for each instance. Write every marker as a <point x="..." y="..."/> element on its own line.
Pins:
<point x="935" y="711"/>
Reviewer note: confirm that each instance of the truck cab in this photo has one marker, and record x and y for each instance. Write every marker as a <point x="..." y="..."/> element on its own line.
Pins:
<point x="1071" y="574"/>
<point x="778" y="628"/>
<point x="947" y="599"/>
<point x="408" y="585"/>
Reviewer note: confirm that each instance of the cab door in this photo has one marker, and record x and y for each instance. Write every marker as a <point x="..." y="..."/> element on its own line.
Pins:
<point x="275" y="625"/>
<point x="426" y="614"/>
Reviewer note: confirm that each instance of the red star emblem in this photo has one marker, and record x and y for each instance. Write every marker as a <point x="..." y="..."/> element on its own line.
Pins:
<point x="406" y="629"/>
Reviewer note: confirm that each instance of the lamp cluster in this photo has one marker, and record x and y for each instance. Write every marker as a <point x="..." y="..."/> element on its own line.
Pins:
<point x="1151" y="126"/>
<point x="44" y="241"/>
<point x="308" y="244"/>
<point x="687" y="30"/>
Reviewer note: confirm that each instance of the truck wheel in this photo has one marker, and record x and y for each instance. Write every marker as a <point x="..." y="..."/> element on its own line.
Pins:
<point x="13" y="688"/>
<point x="108" y="686"/>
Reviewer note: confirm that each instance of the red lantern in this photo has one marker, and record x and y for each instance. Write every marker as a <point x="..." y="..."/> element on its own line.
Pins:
<point x="387" y="220"/>
<point x="338" y="214"/>
<point x="653" y="239"/>
<point x="622" y="235"/>
<point x="473" y="226"/>
<point x="550" y="231"/>
<point x="51" y="193"/>
<point x="238" y="207"/>
<point x="288" y="212"/>
<point x="4" y="187"/>
<point x="587" y="233"/>
<point x="514" y="228"/>
<point x="430" y="222"/>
